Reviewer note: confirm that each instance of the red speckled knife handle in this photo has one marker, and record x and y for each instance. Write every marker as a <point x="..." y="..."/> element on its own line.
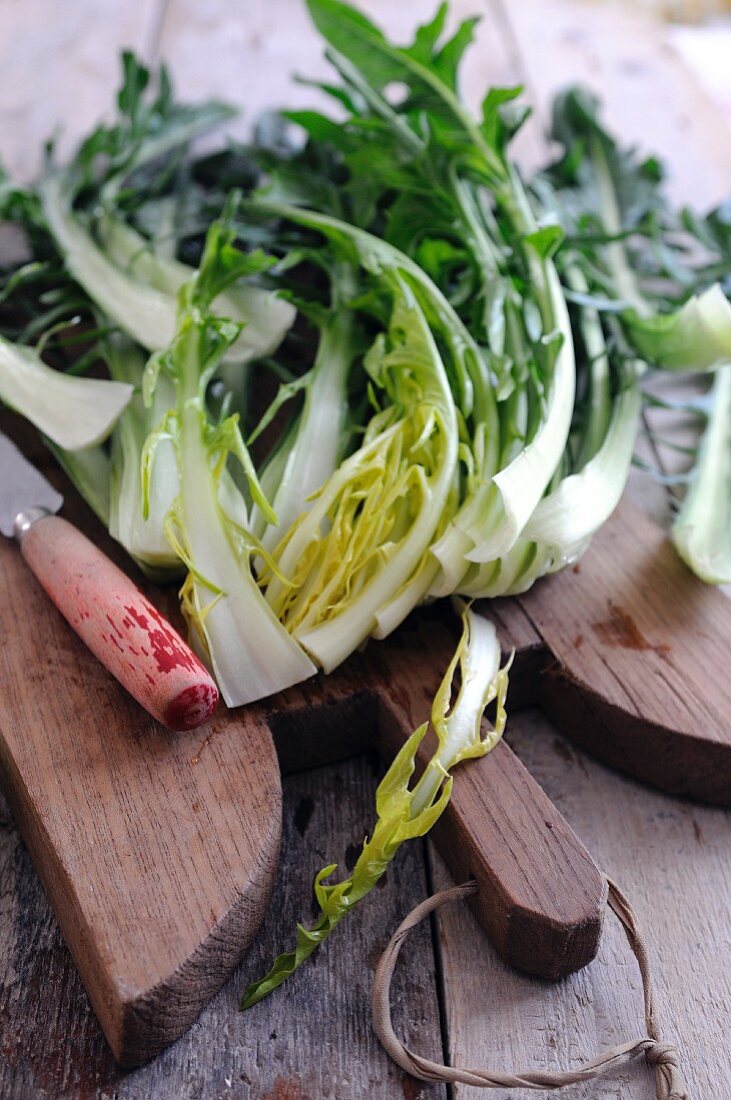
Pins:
<point x="120" y="626"/>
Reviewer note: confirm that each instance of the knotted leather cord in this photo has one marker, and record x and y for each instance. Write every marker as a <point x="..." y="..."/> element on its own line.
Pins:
<point x="661" y="1056"/>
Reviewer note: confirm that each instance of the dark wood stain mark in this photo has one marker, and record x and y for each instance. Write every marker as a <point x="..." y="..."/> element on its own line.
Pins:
<point x="286" y="1088"/>
<point x="620" y="629"/>
<point x="413" y="1088"/>
<point x="375" y="952"/>
<point x="303" y="813"/>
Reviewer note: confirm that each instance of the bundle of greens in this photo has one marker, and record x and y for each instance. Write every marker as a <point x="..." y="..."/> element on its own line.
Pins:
<point x="657" y="281"/>
<point x="360" y="364"/>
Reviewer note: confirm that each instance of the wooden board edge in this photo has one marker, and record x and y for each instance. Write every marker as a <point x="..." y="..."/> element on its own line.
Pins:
<point x="677" y="762"/>
<point x="139" y="1024"/>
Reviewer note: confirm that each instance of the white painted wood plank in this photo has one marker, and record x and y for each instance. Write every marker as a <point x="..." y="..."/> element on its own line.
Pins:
<point x="60" y="69"/>
<point x="251" y="61"/>
<point x="651" y="98"/>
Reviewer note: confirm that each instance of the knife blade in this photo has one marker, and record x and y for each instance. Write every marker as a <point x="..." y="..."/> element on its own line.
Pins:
<point x="22" y="487"/>
<point x="108" y="612"/>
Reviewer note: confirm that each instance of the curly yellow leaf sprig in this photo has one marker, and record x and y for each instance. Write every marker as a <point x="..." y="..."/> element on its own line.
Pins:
<point x="406" y="812"/>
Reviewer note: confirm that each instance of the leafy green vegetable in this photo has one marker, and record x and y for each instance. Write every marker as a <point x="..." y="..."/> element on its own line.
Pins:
<point x="89" y="472"/>
<point x="404" y="811"/>
<point x="367" y="534"/>
<point x="670" y="316"/>
<point x="460" y="359"/>
<point x="73" y="412"/>
<point x="140" y="525"/>
<point x="448" y="166"/>
<point x="78" y="216"/>
<point x="697" y="336"/>
<point x="467" y="417"/>
<point x="231" y="623"/>
<point x="140" y="296"/>
<point x="265" y="319"/>
<point x="702" y="527"/>
<point x="143" y="312"/>
<point x="311" y="450"/>
<point x="609" y="188"/>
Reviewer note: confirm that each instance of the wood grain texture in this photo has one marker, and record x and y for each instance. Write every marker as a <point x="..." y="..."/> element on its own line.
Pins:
<point x="642" y="650"/>
<point x="542" y="901"/>
<point x="159" y="868"/>
<point x="312" y="1041"/>
<point x="671" y="859"/>
<point x="159" y="865"/>
<point x="44" y="1017"/>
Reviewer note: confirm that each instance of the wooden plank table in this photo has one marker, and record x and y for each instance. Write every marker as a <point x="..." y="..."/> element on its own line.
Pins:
<point x="453" y="997"/>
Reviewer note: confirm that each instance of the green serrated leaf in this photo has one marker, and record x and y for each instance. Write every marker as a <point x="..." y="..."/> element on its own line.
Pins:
<point x="546" y="241"/>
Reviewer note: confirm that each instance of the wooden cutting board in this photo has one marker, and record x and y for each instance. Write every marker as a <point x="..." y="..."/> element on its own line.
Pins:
<point x="158" y="850"/>
<point x="636" y="657"/>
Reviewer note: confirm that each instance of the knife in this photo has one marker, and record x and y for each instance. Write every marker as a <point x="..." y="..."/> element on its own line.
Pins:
<point x="108" y="612"/>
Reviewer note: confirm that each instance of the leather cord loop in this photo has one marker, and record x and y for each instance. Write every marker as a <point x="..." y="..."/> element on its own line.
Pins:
<point x="662" y="1056"/>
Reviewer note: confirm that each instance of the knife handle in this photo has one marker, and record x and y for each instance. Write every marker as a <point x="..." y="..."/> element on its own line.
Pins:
<point x="118" y="624"/>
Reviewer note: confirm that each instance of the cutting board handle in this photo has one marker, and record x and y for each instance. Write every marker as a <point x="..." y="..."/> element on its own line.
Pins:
<point x="540" y="897"/>
<point x="127" y="634"/>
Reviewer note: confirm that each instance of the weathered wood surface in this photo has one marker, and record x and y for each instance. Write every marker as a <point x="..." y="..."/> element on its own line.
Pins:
<point x="61" y="69"/>
<point x="667" y="854"/>
<point x="641" y="648"/>
<point x="649" y="97"/>
<point x="160" y="906"/>
<point x="671" y="858"/>
<point x="313" y="1042"/>
<point x="159" y="866"/>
